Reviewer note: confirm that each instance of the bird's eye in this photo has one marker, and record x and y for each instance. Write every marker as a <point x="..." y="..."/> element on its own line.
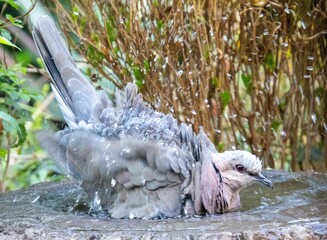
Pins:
<point x="240" y="168"/>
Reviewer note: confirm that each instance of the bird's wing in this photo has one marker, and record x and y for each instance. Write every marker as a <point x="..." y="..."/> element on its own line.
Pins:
<point x="77" y="98"/>
<point x="129" y="175"/>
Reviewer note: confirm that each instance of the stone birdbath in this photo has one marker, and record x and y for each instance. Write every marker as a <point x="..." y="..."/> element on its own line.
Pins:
<point x="295" y="209"/>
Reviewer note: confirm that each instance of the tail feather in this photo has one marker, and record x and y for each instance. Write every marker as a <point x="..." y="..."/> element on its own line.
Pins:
<point x="75" y="95"/>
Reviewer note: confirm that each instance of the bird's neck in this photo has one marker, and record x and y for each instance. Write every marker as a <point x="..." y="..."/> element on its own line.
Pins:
<point x="232" y="195"/>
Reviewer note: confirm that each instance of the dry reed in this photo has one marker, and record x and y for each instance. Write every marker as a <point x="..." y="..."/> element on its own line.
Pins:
<point x="252" y="73"/>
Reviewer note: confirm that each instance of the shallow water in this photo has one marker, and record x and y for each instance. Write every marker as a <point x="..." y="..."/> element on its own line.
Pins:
<point x="297" y="199"/>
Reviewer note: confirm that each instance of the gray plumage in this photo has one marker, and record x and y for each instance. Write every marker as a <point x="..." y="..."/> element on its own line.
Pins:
<point x="132" y="160"/>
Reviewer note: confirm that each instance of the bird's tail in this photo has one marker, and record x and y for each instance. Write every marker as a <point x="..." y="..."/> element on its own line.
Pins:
<point x="77" y="98"/>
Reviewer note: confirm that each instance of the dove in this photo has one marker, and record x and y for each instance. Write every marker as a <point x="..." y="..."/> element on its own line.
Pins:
<point x="131" y="160"/>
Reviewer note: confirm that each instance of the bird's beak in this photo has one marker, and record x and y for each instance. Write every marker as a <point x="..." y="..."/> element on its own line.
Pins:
<point x="265" y="181"/>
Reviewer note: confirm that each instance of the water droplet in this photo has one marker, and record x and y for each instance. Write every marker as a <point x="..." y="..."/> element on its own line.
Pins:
<point x="142" y="181"/>
<point x="301" y="91"/>
<point x="126" y="150"/>
<point x="318" y="100"/>
<point x="193" y="112"/>
<point x="309" y="68"/>
<point x="314" y="118"/>
<point x="265" y="32"/>
<point x="153" y="37"/>
<point x="97" y="200"/>
<point x="303" y="25"/>
<point x="287" y="10"/>
<point x="325" y="126"/>
<point x="283" y="133"/>
<point x="285" y="44"/>
<point x="113" y="182"/>
<point x="306" y="76"/>
<point x="233" y="116"/>
<point x="35" y="199"/>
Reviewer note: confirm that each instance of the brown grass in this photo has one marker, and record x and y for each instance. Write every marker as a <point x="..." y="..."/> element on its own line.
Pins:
<point x="252" y="73"/>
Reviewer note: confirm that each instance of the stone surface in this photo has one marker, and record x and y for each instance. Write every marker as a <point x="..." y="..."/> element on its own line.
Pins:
<point x="295" y="209"/>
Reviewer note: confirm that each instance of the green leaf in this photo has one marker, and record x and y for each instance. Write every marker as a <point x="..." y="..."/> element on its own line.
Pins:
<point x="3" y="153"/>
<point x="5" y="41"/>
<point x="112" y="31"/>
<point x="14" y="21"/>
<point x="247" y="80"/>
<point x="21" y="132"/>
<point x="270" y="62"/>
<point x="24" y="58"/>
<point x="139" y="76"/>
<point x="319" y="92"/>
<point x="10" y="18"/>
<point x="214" y="82"/>
<point x="275" y="124"/>
<point x="8" y="122"/>
<point x="146" y="65"/>
<point x="10" y="125"/>
<point x="155" y="3"/>
<point x="225" y="98"/>
<point x="5" y="33"/>
<point x="160" y="25"/>
<point x="13" y="3"/>
<point x="220" y="147"/>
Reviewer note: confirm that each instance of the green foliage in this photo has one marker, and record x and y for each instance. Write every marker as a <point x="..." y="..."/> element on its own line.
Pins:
<point x="21" y="158"/>
<point x="225" y="98"/>
<point x="16" y="5"/>
<point x="5" y="37"/>
<point x="247" y="81"/>
<point x="14" y="21"/>
<point x="17" y="99"/>
<point x="111" y="30"/>
<point x="220" y="147"/>
<point x="139" y="76"/>
<point x="270" y="62"/>
<point x="26" y="173"/>
<point x="13" y="92"/>
<point x="5" y="41"/>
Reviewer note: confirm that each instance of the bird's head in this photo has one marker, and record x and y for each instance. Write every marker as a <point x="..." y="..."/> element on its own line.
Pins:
<point x="222" y="177"/>
<point x="240" y="169"/>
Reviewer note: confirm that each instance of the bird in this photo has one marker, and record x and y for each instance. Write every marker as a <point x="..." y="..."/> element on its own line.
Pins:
<point x="132" y="160"/>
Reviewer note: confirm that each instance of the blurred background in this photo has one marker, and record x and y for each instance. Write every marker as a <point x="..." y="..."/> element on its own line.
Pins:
<point x="251" y="72"/>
